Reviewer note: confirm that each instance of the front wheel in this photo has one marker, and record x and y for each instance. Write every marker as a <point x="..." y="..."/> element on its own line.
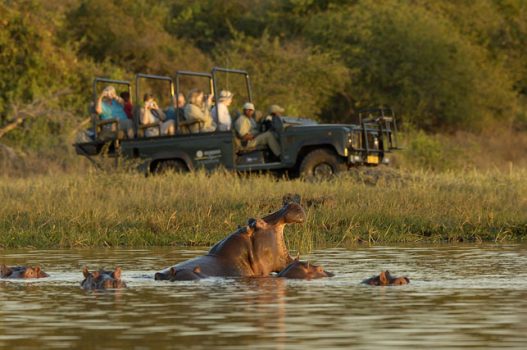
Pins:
<point x="321" y="164"/>
<point x="171" y="165"/>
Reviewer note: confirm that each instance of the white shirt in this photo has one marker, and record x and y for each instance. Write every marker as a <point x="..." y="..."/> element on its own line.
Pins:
<point x="223" y="120"/>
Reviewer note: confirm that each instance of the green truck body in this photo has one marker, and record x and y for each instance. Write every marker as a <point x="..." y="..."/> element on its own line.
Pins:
<point x="308" y="148"/>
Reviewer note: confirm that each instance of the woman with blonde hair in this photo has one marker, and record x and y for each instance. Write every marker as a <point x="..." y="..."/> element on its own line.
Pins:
<point x="198" y="109"/>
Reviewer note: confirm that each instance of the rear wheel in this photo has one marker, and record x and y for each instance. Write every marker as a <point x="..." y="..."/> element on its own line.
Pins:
<point x="171" y="165"/>
<point x="321" y="164"/>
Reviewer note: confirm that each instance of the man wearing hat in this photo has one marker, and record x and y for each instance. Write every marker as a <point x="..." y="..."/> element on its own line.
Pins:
<point x="276" y="111"/>
<point x="249" y="132"/>
<point x="220" y="112"/>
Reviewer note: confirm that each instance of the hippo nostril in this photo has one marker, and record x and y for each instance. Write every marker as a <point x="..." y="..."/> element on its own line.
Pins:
<point x="159" y="276"/>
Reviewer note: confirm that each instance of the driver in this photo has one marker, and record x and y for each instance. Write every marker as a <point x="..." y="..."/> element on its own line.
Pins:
<point x="248" y="131"/>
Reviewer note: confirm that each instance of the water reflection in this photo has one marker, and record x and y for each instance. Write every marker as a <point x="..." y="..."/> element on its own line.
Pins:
<point x="459" y="296"/>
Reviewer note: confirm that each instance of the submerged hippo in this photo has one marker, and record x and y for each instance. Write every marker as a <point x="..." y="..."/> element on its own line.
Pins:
<point x="304" y="270"/>
<point x="385" y="279"/>
<point x="102" y="279"/>
<point x="22" y="272"/>
<point x="254" y="250"/>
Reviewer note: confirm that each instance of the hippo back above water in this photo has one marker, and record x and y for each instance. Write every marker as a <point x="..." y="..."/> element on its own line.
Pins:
<point x="21" y="272"/>
<point x="256" y="249"/>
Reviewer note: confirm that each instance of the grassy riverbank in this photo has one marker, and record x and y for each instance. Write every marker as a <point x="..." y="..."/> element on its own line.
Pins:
<point x="126" y="209"/>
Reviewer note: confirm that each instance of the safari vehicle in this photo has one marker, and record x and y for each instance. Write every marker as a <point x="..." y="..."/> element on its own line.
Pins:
<point x="309" y="148"/>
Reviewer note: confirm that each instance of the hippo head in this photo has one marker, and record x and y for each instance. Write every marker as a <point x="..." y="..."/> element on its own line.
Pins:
<point x="22" y="272"/>
<point x="386" y="279"/>
<point x="269" y="248"/>
<point x="102" y="279"/>
<point x="304" y="270"/>
<point x="173" y="274"/>
<point x="34" y="272"/>
<point x="290" y="213"/>
<point x="4" y="271"/>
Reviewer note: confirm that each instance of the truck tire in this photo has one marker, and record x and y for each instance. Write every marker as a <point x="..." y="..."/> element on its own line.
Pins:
<point x="171" y="165"/>
<point x="321" y="164"/>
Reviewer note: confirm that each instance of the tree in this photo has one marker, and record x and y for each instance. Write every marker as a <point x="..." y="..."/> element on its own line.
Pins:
<point x="292" y="75"/>
<point x="405" y="56"/>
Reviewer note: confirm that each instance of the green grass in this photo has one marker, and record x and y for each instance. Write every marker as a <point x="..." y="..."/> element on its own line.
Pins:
<point x="127" y="209"/>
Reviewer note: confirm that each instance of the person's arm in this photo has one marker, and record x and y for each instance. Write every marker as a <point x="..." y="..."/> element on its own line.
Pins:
<point x="195" y="114"/>
<point x="98" y="105"/>
<point x="162" y="115"/>
<point x="143" y="117"/>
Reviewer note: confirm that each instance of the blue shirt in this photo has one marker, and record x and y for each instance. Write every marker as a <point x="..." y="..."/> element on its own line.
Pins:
<point x="113" y="110"/>
<point x="171" y="113"/>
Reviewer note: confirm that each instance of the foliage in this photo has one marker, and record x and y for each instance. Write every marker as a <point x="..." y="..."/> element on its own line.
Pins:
<point x="403" y="56"/>
<point x="303" y="94"/>
<point x="443" y="66"/>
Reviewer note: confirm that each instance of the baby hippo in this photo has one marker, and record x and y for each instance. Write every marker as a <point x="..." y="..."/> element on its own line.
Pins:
<point x="303" y="270"/>
<point x="22" y="272"/>
<point x="102" y="279"/>
<point x="385" y="279"/>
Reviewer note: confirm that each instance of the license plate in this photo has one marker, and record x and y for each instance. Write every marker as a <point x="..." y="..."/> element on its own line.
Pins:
<point x="372" y="160"/>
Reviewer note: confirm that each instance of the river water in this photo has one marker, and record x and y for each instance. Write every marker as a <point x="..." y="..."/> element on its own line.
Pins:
<point x="463" y="296"/>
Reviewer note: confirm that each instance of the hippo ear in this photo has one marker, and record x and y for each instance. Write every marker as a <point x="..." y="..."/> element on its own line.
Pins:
<point x="197" y="269"/>
<point x="85" y="271"/>
<point x="172" y="271"/>
<point x="4" y="270"/>
<point x="37" y="269"/>
<point x="383" y="277"/>
<point x="117" y="273"/>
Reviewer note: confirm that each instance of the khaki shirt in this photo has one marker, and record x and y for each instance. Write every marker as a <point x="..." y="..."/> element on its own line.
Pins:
<point x="245" y="125"/>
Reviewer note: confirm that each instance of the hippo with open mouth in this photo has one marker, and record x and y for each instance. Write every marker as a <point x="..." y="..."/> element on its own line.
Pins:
<point x="21" y="272"/>
<point x="304" y="270"/>
<point x="102" y="279"/>
<point x="251" y="251"/>
<point x="386" y="279"/>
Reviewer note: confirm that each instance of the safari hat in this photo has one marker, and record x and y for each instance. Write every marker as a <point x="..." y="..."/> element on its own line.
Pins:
<point x="225" y="95"/>
<point x="276" y="109"/>
<point x="248" y="105"/>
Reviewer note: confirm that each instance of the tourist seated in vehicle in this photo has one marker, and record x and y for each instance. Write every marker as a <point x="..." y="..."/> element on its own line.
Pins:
<point x="248" y="131"/>
<point x="198" y="109"/>
<point x="220" y="112"/>
<point x="127" y="105"/>
<point x="178" y="105"/>
<point x="110" y="106"/>
<point x="152" y="115"/>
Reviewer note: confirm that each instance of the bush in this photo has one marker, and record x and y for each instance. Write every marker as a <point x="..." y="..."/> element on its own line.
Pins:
<point x="299" y="78"/>
<point x="407" y="57"/>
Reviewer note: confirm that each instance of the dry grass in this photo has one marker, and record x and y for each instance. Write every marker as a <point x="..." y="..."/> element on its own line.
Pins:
<point x="375" y="206"/>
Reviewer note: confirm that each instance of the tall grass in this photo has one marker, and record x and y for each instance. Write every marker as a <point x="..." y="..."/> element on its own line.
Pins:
<point x="375" y="206"/>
